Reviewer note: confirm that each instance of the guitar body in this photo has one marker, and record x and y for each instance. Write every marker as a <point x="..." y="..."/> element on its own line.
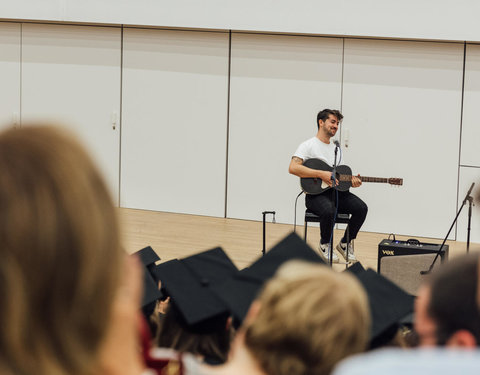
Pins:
<point x="343" y="176"/>
<point x="316" y="185"/>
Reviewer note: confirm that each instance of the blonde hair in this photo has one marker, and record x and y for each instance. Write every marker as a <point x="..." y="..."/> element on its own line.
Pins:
<point x="60" y="254"/>
<point x="310" y="318"/>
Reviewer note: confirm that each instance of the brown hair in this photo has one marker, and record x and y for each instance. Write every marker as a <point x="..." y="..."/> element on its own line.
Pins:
<point x="60" y="254"/>
<point x="310" y="318"/>
<point x="209" y="339"/>
<point x="453" y="298"/>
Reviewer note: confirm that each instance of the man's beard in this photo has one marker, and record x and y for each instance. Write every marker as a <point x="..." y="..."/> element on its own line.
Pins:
<point x="331" y="132"/>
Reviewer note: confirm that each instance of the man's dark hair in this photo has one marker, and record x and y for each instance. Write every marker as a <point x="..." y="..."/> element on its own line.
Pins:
<point x="323" y="115"/>
<point x="453" y="305"/>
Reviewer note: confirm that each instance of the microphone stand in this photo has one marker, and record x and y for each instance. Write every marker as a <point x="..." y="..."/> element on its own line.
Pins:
<point x="470" y="204"/>
<point x="470" y="200"/>
<point x="334" y="199"/>
<point x="265" y="213"/>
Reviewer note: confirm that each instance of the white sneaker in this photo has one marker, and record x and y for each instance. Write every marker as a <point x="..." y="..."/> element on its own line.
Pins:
<point x="325" y="253"/>
<point x="342" y="249"/>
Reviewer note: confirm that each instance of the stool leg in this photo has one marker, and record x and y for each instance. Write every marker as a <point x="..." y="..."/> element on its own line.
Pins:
<point x="348" y="240"/>
<point x="305" y="235"/>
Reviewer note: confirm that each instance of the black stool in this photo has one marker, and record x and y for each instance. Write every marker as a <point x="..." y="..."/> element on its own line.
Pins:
<point x="310" y="217"/>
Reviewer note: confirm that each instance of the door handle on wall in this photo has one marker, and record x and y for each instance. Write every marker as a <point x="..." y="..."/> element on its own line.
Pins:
<point x="113" y="119"/>
<point x="346" y="137"/>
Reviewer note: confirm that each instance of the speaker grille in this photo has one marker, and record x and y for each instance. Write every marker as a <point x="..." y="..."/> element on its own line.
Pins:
<point x="404" y="270"/>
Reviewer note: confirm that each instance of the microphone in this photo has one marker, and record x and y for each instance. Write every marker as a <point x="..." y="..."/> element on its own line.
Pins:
<point x="337" y="144"/>
<point x="468" y="197"/>
<point x="471" y="188"/>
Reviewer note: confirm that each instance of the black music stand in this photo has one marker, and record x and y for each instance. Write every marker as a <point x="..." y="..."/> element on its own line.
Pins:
<point x="468" y="198"/>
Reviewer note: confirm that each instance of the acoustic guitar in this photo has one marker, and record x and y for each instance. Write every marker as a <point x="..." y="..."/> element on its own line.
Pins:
<point x="312" y="185"/>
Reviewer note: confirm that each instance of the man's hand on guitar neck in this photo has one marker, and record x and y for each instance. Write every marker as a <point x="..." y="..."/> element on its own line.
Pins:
<point x="356" y="181"/>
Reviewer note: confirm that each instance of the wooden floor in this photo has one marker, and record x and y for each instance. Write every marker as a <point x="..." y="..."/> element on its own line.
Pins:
<point x="178" y="235"/>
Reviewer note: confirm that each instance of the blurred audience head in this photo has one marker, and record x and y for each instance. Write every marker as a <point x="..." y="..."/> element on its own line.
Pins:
<point x="302" y="324"/>
<point x="196" y="321"/>
<point x="446" y="310"/>
<point x="208" y="340"/>
<point x="60" y="252"/>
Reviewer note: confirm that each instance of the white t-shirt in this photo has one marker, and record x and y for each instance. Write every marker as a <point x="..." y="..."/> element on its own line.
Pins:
<point x="315" y="148"/>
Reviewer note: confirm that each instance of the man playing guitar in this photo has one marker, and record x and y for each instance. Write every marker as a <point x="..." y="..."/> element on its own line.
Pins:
<point x="320" y="147"/>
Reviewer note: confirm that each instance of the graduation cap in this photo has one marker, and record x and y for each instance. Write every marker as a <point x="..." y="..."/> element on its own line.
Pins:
<point x="151" y="293"/>
<point x="157" y="274"/>
<point x="189" y="283"/>
<point x="148" y="257"/>
<point x="389" y="305"/>
<point x="356" y="268"/>
<point x="242" y="288"/>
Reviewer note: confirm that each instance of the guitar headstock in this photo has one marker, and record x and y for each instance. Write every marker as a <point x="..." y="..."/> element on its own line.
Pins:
<point x="395" y="181"/>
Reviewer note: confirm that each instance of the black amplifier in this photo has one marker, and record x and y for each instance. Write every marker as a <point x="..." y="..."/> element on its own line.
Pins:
<point x="402" y="261"/>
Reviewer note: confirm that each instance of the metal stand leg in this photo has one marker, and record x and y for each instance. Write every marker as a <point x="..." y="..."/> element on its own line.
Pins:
<point x="305" y="236"/>
<point x="470" y="204"/>
<point x="265" y="213"/>
<point x="348" y="242"/>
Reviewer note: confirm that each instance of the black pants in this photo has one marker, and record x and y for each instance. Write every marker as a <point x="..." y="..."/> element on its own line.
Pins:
<point x="348" y="203"/>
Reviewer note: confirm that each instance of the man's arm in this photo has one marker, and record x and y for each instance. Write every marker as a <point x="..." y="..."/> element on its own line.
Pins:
<point x="298" y="169"/>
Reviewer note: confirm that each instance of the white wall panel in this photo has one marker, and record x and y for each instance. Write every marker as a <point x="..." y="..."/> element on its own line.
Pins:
<point x="402" y="103"/>
<point x="467" y="176"/>
<point x="71" y="75"/>
<point x="278" y="85"/>
<point x="10" y="35"/>
<point x="175" y="90"/>
<point x="425" y="19"/>
<point x="471" y="109"/>
<point x="49" y="10"/>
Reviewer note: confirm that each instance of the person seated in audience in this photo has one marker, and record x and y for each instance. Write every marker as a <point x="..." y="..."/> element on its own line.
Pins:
<point x="447" y="322"/>
<point x="70" y="296"/>
<point x="208" y="340"/>
<point x="447" y="312"/>
<point x="305" y="320"/>
<point x="151" y="288"/>
<point x="390" y="308"/>
<point x="196" y="320"/>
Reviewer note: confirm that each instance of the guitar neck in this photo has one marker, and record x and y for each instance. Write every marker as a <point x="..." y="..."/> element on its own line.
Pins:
<point x="373" y="179"/>
<point x="345" y="177"/>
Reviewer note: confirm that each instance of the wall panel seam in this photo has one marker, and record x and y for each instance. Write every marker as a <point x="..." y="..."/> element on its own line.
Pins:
<point x="461" y="127"/>
<point x="228" y="119"/>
